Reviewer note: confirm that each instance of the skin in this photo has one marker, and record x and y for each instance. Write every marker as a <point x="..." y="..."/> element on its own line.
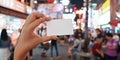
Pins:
<point x="28" y="39"/>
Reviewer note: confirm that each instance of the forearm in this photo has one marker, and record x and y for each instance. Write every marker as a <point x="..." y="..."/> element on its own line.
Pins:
<point x="99" y="51"/>
<point x="19" y="53"/>
<point x="111" y="47"/>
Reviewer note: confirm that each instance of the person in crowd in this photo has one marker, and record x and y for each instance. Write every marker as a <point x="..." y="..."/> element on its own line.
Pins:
<point x="28" y="39"/>
<point x="54" y="44"/>
<point x="14" y="44"/>
<point x="93" y="33"/>
<point x="30" y="54"/>
<point x="91" y="42"/>
<point x="70" y="40"/>
<point x="45" y="45"/>
<point x="76" y="18"/>
<point x="116" y="37"/>
<point x="111" y="47"/>
<point x="99" y="32"/>
<point x="62" y="40"/>
<point x="96" y="50"/>
<point x="76" y="44"/>
<point x="5" y="43"/>
<point x="81" y="33"/>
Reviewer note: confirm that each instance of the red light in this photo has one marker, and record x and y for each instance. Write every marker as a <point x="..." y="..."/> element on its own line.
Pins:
<point x="50" y="1"/>
<point x="75" y="8"/>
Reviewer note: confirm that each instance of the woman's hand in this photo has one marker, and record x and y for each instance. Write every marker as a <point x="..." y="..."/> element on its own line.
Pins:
<point x="28" y="39"/>
<point x="102" y="55"/>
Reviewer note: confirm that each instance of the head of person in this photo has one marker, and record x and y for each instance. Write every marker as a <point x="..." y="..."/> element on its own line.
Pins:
<point x="79" y="30"/>
<point x="44" y="31"/>
<point x="90" y="37"/>
<point x="116" y="37"/>
<point x="4" y="35"/>
<point x="76" y="35"/>
<point x="109" y="36"/>
<point x="98" y="31"/>
<point x="99" y="40"/>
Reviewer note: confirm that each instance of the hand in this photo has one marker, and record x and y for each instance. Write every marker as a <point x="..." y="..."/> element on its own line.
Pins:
<point x="28" y="39"/>
<point x="102" y="55"/>
<point x="104" y="46"/>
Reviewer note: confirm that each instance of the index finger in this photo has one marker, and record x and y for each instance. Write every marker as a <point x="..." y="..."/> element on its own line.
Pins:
<point x="32" y="17"/>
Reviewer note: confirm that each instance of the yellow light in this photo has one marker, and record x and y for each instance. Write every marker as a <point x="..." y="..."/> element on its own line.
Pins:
<point x="106" y="4"/>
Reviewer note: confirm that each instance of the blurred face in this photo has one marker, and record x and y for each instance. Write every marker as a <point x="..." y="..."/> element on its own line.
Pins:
<point x="108" y="38"/>
<point x="98" y="32"/>
<point x="99" y="40"/>
<point x="79" y="35"/>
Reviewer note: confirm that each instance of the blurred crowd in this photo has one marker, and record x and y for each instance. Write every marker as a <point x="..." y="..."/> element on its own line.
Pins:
<point x="103" y="45"/>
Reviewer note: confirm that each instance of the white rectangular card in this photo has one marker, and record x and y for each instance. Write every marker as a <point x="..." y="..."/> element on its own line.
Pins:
<point x="60" y="27"/>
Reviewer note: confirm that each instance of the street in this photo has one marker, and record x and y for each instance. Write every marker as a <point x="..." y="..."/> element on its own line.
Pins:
<point x="62" y="49"/>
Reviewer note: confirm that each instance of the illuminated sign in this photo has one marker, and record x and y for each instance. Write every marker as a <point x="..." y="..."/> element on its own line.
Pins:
<point x="13" y="4"/>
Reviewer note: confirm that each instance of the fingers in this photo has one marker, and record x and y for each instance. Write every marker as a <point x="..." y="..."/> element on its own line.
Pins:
<point x="32" y="17"/>
<point x="39" y="40"/>
<point x="37" y="22"/>
<point x="34" y="20"/>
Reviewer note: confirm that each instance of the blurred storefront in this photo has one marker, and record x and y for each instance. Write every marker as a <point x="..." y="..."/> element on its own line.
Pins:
<point x="12" y="24"/>
<point x="106" y="15"/>
<point x="115" y="15"/>
<point x="12" y="17"/>
<point x="13" y="7"/>
<point x="54" y="11"/>
<point x="101" y="16"/>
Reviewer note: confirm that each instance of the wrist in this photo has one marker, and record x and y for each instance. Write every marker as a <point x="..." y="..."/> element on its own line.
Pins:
<point x="19" y="53"/>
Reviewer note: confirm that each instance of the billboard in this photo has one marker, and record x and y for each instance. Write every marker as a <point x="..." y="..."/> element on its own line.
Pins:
<point x="54" y="11"/>
<point x="104" y="13"/>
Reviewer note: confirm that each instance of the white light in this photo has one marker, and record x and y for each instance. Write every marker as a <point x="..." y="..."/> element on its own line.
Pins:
<point x="65" y="2"/>
<point x="35" y="1"/>
<point x="94" y="4"/>
<point x="65" y="7"/>
<point x="71" y="10"/>
<point x="66" y="10"/>
<point x="55" y="2"/>
<point x="118" y="14"/>
<point x="118" y="25"/>
<point x="79" y="11"/>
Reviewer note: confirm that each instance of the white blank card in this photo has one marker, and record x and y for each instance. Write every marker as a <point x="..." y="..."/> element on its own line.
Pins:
<point x="60" y="27"/>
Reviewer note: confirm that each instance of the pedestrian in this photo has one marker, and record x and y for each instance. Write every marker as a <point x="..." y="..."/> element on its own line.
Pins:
<point x="54" y="45"/>
<point x="99" y="33"/>
<point x="31" y="54"/>
<point x="97" y="50"/>
<point x="45" y="45"/>
<point x="5" y="43"/>
<point x="75" y="46"/>
<point x="111" y="47"/>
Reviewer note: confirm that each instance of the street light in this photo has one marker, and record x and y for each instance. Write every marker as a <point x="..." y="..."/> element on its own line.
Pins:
<point x="35" y="2"/>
